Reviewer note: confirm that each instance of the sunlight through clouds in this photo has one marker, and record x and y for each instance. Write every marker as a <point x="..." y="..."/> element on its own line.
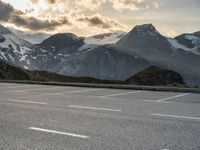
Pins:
<point x="22" y="5"/>
<point x="100" y="16"/>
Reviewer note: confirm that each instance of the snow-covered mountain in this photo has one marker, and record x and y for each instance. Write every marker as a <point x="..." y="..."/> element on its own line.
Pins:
<point x="12" y="48"/>
<point x="67" y="54"/>
<point x="187" y="42"/>
<point x="102" y="39"/>
<point x="113" y="56"/>
<point x="149" y="44"/>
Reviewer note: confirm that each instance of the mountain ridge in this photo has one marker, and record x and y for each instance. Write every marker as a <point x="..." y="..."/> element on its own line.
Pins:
<point x="124" y="55"/>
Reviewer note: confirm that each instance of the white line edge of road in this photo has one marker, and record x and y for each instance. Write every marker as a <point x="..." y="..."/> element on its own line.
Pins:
<point x="39" y="89"/>
<point x="79" y="91"/>
<point x="173" y="97"/>
<point x="120" y="94"/>
<point x="20" y="86"/>
<point x="59" y="132"/>
<point x="175" y="116"/>
<point x="94" y="108"/>
<point x="29" y="102"/>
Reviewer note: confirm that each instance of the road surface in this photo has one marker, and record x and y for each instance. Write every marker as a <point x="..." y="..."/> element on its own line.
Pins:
<point x="40" y="117"/>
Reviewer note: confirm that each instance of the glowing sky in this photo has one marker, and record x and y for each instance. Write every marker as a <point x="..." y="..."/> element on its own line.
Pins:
<point x="89" y="17"/>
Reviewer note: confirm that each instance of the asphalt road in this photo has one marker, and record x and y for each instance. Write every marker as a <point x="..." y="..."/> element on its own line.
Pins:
<point x="39" y="117"/>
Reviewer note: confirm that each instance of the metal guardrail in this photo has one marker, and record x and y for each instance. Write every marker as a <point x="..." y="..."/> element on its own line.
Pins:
<point x="111" y="86"/>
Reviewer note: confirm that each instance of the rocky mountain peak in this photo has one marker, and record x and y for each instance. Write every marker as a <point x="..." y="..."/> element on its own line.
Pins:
<point x="62" y="40"/>
<point x="145" y="30"/>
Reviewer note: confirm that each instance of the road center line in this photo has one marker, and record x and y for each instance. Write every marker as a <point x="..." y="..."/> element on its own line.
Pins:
<point x="173" y="97"/>
<point x="119" y="94"/>
<point x="79" y="91"/>
<point x="59" y="132"/>
<point x="94" y="108"/>
<point x="22" y="101"/>
<point x="175" y="116"/>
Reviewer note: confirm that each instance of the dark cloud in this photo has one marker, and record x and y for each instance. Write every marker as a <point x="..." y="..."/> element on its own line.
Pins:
<point x="33" y="23"/>
<point x="17" y="17"/>
<point x="51" y="1"/>
<point x="48" y="1"/>
<point x="100" y="22"/>
<point x="6" y="11"/>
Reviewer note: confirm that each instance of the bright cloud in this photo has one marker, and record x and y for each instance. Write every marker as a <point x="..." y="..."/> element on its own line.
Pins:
<point x="86" y="17"/>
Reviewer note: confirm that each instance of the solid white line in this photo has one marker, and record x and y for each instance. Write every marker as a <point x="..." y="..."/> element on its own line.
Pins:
<point x="173" y="97"/>
<point x="175" y="116"/>
<point x="80" y="91"/>
<point x="22" y="101"/>
<point x="58" y="132"/>
<point x="94" y="108"/>
<point x="119" y="94"/>
<point x="40" y="89"/>
<point x="20" y="86"/>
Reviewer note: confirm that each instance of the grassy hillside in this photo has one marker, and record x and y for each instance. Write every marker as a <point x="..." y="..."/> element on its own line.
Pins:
<point x="153" y="76"/>
<point x="47" y="76"/>
<point x="156" y="76"/>
<point x="10" y="72"/>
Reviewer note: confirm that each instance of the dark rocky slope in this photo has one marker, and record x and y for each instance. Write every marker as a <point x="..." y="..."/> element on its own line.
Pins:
<point x="155" y="76"/>
<point x="150" y="76"/>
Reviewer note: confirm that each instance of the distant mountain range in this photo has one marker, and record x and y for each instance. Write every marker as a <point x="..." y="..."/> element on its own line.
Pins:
<point x="34" y="38"/>
<point x="111" y="56"/>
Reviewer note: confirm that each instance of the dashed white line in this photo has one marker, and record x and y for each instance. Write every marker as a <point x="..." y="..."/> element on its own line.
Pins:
<point x="79" y="91"/>
<point x="175" y="116"/>
<point x="119" y="94"/>
<point x="94" y="108"/>
<point x="23" y="101"/>
<point x="59" y="132"/>
<point x="173" y="97"/>
<point x="155" y="101"/>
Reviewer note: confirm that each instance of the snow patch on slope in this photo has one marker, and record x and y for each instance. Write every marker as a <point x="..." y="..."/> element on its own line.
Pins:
<point x="102" y="39"/>
<point x="175" y="44"/>
<point x="17" y="45"/>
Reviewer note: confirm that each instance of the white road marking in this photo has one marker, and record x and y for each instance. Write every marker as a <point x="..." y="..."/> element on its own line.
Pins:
<point x="29" y="102"/>
<point x="59" y="132"/>
<point x="39" y="89"/>
<point x="119" y="94"/>
<point x="19" y="86"/>
<point x="175" y="116"/>
<point x="94" y="108"/>
<point x="155" y="101"/>
<point x="79" y="91"/>
<point x="173" y="97"/>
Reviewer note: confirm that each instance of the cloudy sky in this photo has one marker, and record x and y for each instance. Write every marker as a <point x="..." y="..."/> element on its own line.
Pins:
<point x="89" y="17"/>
